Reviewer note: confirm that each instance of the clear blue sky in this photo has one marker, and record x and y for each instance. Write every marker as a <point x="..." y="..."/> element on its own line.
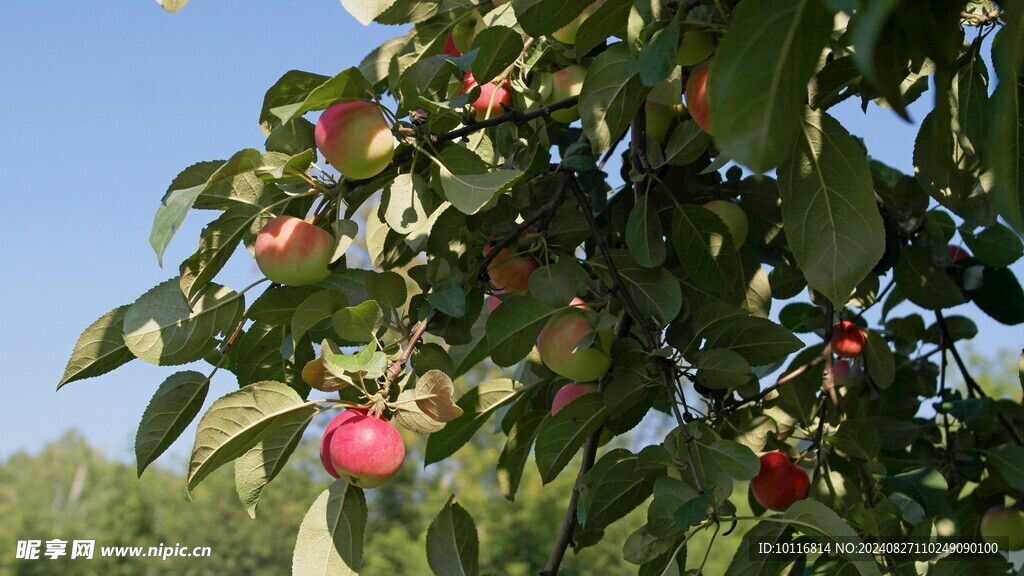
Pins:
<point x="104" y="103"/>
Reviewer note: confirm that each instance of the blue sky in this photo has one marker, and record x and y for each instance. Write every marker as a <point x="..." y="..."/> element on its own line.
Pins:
<point x="104" y="103"/>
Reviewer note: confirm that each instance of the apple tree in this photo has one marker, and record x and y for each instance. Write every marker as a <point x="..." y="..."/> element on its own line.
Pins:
<point x="793" y="306"/>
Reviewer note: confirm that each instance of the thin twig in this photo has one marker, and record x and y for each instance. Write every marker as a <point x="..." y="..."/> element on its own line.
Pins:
<point x="511" y="116"/>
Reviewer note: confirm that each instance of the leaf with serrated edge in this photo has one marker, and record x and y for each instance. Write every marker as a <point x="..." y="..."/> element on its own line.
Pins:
<point x="315" y="309"/>
<point x="99" y="349"/>
<point x="477" y="405"/>
<point x="434" y="392"/>
<point x="238" y="421"/>
<point x="176" y="403"/>
<point x="453" y="548"/>
<point x="409" y="415"/>
<point x="330" y="539"/>
<point x="563" y="435"/>
<point x="217" y="243"/>
<point x="818" y="521"/>
<point x="610" y="97"/>
<point x="512" y="329"/>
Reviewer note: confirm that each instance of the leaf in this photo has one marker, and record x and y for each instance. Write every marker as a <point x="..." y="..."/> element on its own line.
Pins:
<point x="999" y="295"/>
<point x="434" y="392"/>
<point x="828" y="208"/>
<point x="497" y="48"/>
<point x="1008" y="461"/>
<point x="656" y="291"/>
<point x="346" y="86"/>
<point x="176" y="403"/>
<point x="557" y="283"/>
<point x="731" y="457"/>
<point x="687" y="142"/>
<point x="618" y="482"/>
<point x="924" y="283"/>
<point x="704" y="245"/>
<point x="818" y="521"/>
<point x="255" y="469"/>
<point x="344" y="232"/>
<point x="759" y="340"/>
<point x="278" y="304"/>
<point x="217" y="243"/>
<point x="315" y="309"/>
<point x="747" y="561"/>
<point x="996" y="245"/>
<point x="514" y="455"/>
<point x="857" y="439"/>
<point x="542" y="17"/>
<point x="330" y="539"/>
<point x="409" y="416"/>
<point x="693" y="511"/>
<point x="643" y="234"/>
<point x="757" y="87"/>
<point x="610" y="96"/>
<point x="722" y="369"/>
<point x="176" y="203"/>
<point x="562" y="436"/>
<point x="1006" y="142"/>
<point x="238" y="421"/>
<point x="470" y="192"/>
<point x="290" y="88"/>
<point x="172" y="6"/>
<point x="512" y="329"/>
<point x="657" y="58"/>
<point x="606" y="21"/>
<point x="159" y="327"/>
<point x="387" y="288"/>
<point x="941" y="164"/>
<point x="99" y="349"/>
<point x="879" y="359"/>
<point x="406" y="199"/>
<point x="477" y="405"/>
<point x="260" y="355"/>
<point x="452" y="544"/>
<point x="358" y="323"/>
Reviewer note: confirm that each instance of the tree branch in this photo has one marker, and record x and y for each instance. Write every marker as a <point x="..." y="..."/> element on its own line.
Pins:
<point x="510" y="116"/>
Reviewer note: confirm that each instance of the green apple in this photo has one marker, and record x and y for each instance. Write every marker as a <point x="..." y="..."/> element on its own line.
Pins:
<point x="1003" y="526"/>
<point x="695" y="47"/>
<point x="293" y="252"/>
<point x="734" y="218"/>
<point x="661" y="119"/>
<point x="565" y="83"/>
<point x="567" y="33"/>
<point x="355" y="138"/>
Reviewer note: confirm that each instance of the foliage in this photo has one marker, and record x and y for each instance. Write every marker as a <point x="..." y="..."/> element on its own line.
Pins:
<point x="894" y="450"/>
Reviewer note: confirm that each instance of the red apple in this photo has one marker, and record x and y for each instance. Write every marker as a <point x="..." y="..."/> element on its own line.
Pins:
<point x="293" y="252"/>
<point x="840" y="371"/>
<point x="696" y="95"/>
<point x="355" y="138"/>
<point x="510" y="272"/>
<point x="492" y="303"/>
<point x="957" y="253"/>
<point x="363" y="450"/>
<point x="450" y="48"/>
<point x="734" y="217"/>
<point x="1003" y="526"/>
<point x="488" y="104"/>
<point x="780" y="483"/>
<point x="559" y="339"/>
<point x="847" y="339"/>
<point x="568" y="393"/>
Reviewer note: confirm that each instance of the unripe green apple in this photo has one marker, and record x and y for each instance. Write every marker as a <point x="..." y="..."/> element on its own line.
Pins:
<point x="697" y="97"/>
<point x="293" y="252"/>
<point x="488" y="104"/>
<point x="464" y="33"/>
<point x="364" y="450"/>
<point x="567" y="33"/>
<point x="510" y="272"/>
<point x="568" y="393"/>
<point x="1003" y="526"/>
<point x="565" y="83"/>
<point x="695" y="47"/>
<point x="847" y="339"/>
<point x="734" y="217"/>
<point x="779" y="483"/>
<point x="661" y="119"/>
<point x="558" y="341"/>
<point x="355" y="138"/>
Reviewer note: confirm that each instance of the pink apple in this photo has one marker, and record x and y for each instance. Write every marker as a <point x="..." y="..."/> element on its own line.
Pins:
<point x="565" y="83"/>
<point x="559" y="339"/>
<point x="293" y="252"/>
<point x="697" y="97"/>
<point x="568" y="393"/>
<point x="510" y="272"/>
<point x="355" y="138"/>
<point x="488" y="104"/>
<point x="364" y="450"/>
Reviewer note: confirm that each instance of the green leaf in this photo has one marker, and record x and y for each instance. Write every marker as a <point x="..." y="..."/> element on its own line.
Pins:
<point x="368" y="362"/>
<point x="557" y="283"/>
<point x="497" y="48"/>
<point x="238" y="421"/>
<point x="1006" y="145"/>
<point x="926" y="486"/>
<point x="996" y="245"/>
<point x="278" y="304"/>
<point x="514" y="455"/>
<point x="818" y="521"/>
<point x="176" y="203"/>
<point x="704" y="245"/>
<point x="291" y="88"/>
<point x="173" y="407"/>
<point x="292" y="138"/>
<point x="759" y="340"/>
<point x="358" y="323"/>
<point x="346" y="86"/>
<point x="387" y="288"/>
<point x="542" y="17"/>
<point x="1008" y="461"/>
<point x="999" y="295"/>
<point x="960" y="328"/>
<point x="643" y="234"/>
<point x="449" y="297"/>
<point x="512" y="329"/>
<point x="477" y="405"/>
<point x="941" y="166"/>
<point x="686" y="144"/>
<point x="345" y="231"/>
<point x="641" y="546"/>
<point x="255" y="469"/>
<point x="655" y="291"/>
<point x="315" y="309"/>
<point x="434" y="392"/>
<point x="618" y="482"/>
<point x="731" y="457"/>
<point x="757" y="87"/>
<point x="217" y="243"/>
<point x="828" y="208"/>
<point x="657" y="58"/>
<point x="562" y="436"/>
<point x="257" y="355"/>
<point x="452" y="545"/>
<point x="723" y="369"/>
<point x="610" y="96"/>
<point x="747" y="561"/>
<point x="469" y="193"/>
<point x="924" y="283"/>
<point x="857" y="439"/>
<point x="99" y="349"/>
<point x="879" y="359"/>
<point x="693" y="511"/>
<point x="406" y="202"/>
<point x="607" y="20"/>
<point x="330" y="539"/>
<point x="159" y="327"/>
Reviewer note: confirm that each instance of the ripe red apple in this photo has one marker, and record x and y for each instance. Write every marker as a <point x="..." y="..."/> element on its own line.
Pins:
<point x="510" y="272"/>
<point x="565" y="83"/>
<point x="695" y="47"/>
<point x="492" y="303"/>
<point x="957" y="253"/>
<point x="697" y="97"/>
<point x="847" y="339"/>
<point x="567" y="33"/>
<point x="780" y="483"/>
<point x="840" y="371"/>
<point x="734" y="217"/>
<point x="355" y="138"/>
<point x="568" y="393"/>
<point x="488" y="104"/>
<point x="293" y="252"/>
<point x="450" y="48"/>
<point x="363" y="450"/>
<point x="1003" y="526"/>
<point x="559" y="338"/>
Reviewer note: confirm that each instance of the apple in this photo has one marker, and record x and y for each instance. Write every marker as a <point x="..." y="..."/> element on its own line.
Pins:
<point x="661" y="119"/>
<point x="355" y="138"/>
<point x="364" y="450"/>
<point x="847" y="339"/>
<point x="492" y="303"/>
<point x="696" y="95"/>
<point x="567" y="33"/>
<point x="510" y="272"/>
<point x="559" y="338"/>
<point x="488" y="104"/>
<point x="695" y="47"/>
<point x="1003" y="526"/>
<point x="565" y="83"/>
<point x="450" y="48"/>
<point x="734" y="217"/>
<point x="779" y="483"/>
<point x="464" y="33"/>
<point x="840" y="371"/>
<point x="568" y="393"/>
<point x="293" y="252"/>
<point x="957" y="253"/>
